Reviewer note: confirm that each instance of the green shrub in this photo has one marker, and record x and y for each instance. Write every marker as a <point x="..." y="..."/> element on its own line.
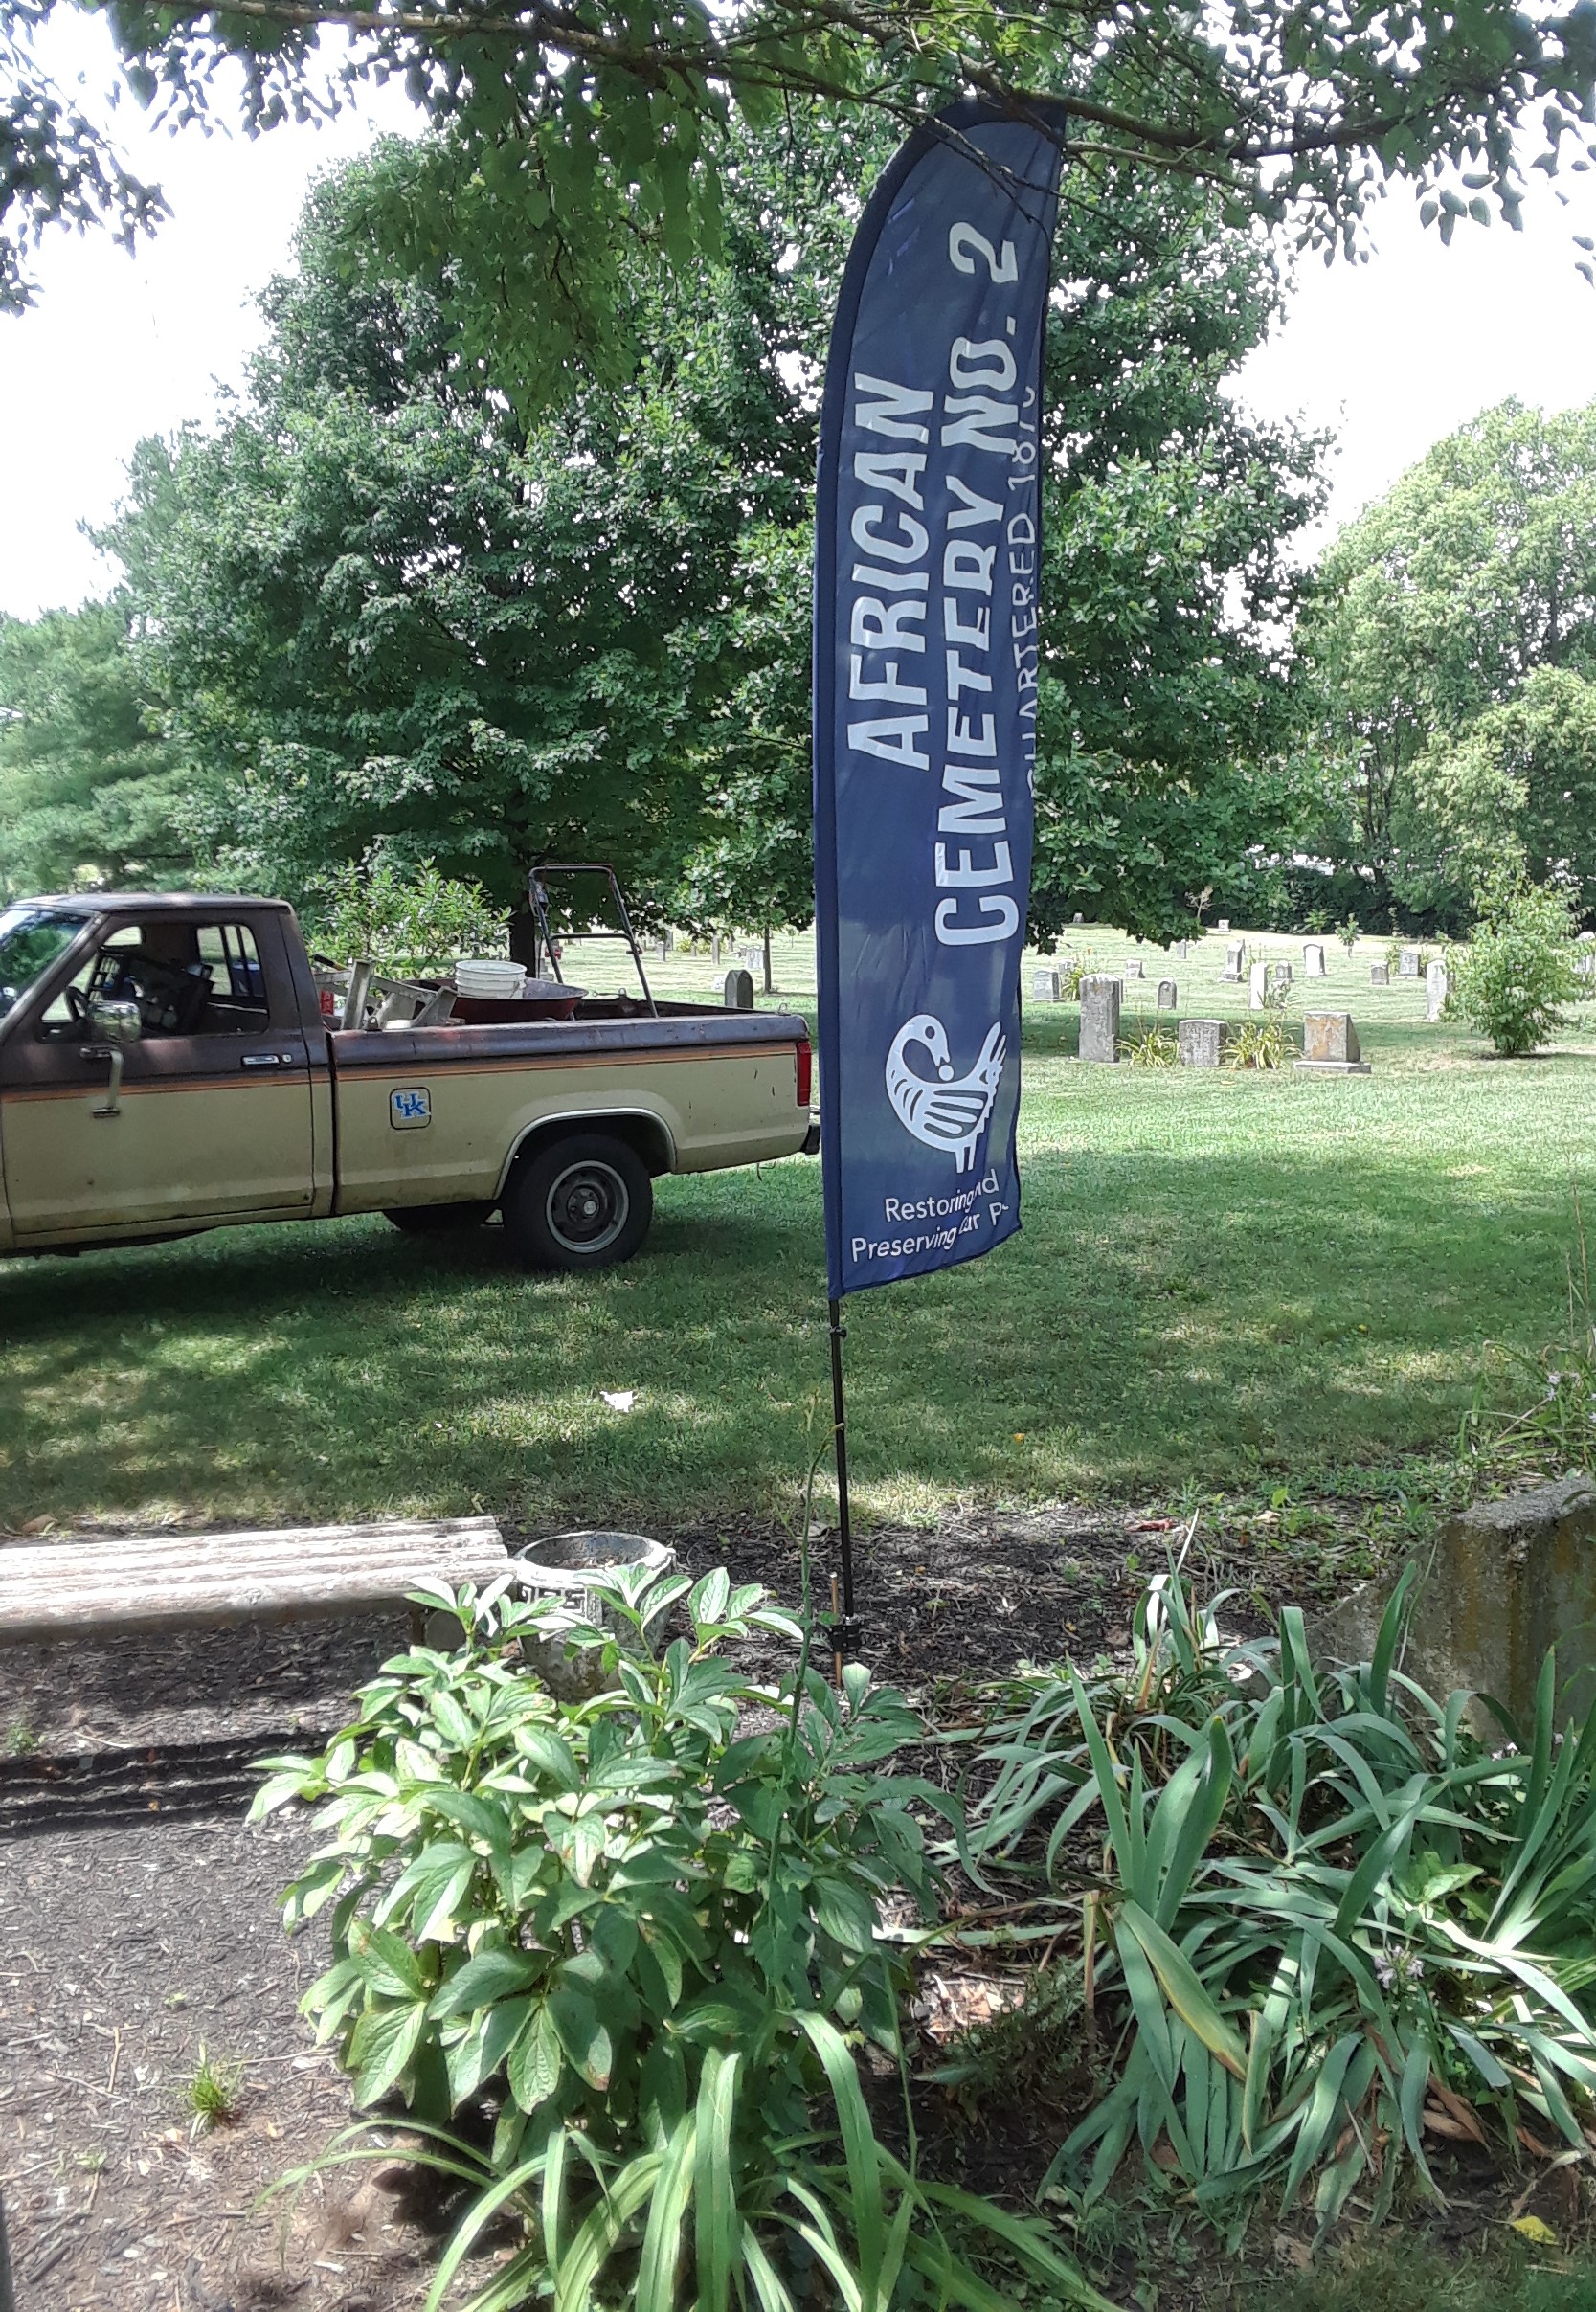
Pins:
<point x="1515" y="980"/>
<point x="405" y="915"/>
<point x="643" y="1929"/>
<point x="1350" y="932"/>
<point x="1263" y="1043"/>
<point x="1328" y="1919"/>
<point x="1151" y="1047"/>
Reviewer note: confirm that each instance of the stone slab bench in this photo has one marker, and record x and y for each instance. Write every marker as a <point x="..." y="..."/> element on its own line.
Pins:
<point x="78" y="1587"/>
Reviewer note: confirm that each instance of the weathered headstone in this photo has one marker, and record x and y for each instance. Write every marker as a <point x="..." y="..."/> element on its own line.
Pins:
<point x="1200" y="1043"/>
<point x="1169" y="995"/>
<point x="1313" y="961"/>
<point x="1079" y="919"/>
<point x="1498" y="1586"/>
<point x="1181" y="947"/>
<point x="739" y="991"/>
<point x="1408" y="963"/>
<point x="1223" y="923"/>
<point x="1280" y="975"/>
<point x="1235" y="960"/>
<point x="1438" y="987"/>
<point x="1044" y="987"/>
<point x="1134" y="969"/>
<point x="1100" y="1019"/>
<point x="1329" y="1046"/>
<point x="1257" y="987"/>
<point x="1380" y="974"/>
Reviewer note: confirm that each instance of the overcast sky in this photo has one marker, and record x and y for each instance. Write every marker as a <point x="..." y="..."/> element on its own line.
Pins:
<point x="1389" y="355"/>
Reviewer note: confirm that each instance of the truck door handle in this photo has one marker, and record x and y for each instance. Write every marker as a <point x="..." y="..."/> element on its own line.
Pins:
<point x="267" y="1059"/>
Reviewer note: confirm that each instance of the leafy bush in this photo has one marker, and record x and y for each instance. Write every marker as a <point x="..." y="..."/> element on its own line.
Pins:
<point x="1515" y="978"/>
<point x="1263" y="1043"/>
<point x="1350" y="932"/>
<point x="1152" y="1047"/>
<point x="1325" y="1920"/>
<point x="642" y="1928"/>
<point x="408" y="917"/>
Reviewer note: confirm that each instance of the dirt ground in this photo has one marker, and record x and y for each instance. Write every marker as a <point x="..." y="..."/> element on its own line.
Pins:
<point x="139" y="1928"/>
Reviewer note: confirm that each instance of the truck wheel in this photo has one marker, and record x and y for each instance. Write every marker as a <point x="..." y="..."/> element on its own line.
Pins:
<point x="582" y="1203"/>
<point x="435" y="1220"/>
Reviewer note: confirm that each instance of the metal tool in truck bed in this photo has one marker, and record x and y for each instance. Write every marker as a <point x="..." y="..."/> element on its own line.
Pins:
<point x="165" y="1066"/>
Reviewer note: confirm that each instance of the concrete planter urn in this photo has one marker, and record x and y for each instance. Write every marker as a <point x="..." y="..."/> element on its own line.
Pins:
<point x="562" y="1569"/>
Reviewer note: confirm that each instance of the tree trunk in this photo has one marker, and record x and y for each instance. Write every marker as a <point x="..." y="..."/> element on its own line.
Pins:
<point x="768" y="989"/>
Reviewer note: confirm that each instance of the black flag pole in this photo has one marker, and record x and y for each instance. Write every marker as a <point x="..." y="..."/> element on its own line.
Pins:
<point x="844" y="1625"/>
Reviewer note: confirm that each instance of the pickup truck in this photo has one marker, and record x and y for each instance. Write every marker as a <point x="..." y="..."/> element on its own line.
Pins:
<point x="165" y="1066"/>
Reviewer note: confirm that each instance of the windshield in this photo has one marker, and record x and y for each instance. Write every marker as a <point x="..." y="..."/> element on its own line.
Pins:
<point x="30" y="938"/>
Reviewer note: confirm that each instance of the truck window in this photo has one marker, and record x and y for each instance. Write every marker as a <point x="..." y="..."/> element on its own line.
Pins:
<point x="31" y="940"/>
<point x="187" y="979"/>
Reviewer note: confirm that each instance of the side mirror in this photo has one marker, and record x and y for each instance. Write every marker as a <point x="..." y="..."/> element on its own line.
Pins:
<point x="117" y="1025"/>
<point x="114" y="1026"/>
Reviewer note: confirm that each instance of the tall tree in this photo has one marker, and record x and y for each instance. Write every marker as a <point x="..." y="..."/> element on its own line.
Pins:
<point x="1166" y="697"/>
<point x="1442" y="615"/>
<point x="386" y="612"/>
<point x="89" y="791"/>
<point x="571" y="125"/>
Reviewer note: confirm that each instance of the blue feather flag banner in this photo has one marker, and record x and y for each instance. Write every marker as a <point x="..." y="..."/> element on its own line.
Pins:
<point x="926" y="586"/>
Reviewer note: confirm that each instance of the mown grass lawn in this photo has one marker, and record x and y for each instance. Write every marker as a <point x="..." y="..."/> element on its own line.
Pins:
<point x="1223" y="1280"/>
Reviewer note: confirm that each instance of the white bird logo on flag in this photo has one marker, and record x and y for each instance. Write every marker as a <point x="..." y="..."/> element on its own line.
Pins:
<point x="946" y="1111"/>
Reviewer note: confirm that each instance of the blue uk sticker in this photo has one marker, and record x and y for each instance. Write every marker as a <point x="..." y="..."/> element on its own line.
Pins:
<point x="410" y="1108"/>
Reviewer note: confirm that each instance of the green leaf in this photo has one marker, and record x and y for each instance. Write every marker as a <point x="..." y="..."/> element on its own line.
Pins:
<point x="494" y="1973"/>
<point x="534" y="2065"/>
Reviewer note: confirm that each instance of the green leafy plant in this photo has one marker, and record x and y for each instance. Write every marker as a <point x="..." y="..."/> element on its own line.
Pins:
<point x="1515" y="980"/>
<point x="643" y="1930"/>
<point x="211" y="2091"/>
<point x="1150" y="1047"/>
<point x="21" y="1740"/>
<point x="407" y="916"/>
<point x="1265" y="1043"/>
<point x="1073" y="969"/>
<point x="1325" y="1918"/>
<point x="1350" y="932"/>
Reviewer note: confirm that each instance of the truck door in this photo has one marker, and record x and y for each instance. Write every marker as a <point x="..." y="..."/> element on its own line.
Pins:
<point x="214" y="1120"/>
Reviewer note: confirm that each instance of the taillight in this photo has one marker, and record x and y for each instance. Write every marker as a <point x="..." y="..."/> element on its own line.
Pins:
<point x="806" y="1072"/>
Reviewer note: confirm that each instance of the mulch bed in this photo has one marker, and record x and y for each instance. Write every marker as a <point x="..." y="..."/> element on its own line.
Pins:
<point x="139" y="1921"/>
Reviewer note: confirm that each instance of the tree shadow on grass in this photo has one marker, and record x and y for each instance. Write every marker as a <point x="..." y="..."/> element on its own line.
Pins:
<point x="1162" y="1319"/>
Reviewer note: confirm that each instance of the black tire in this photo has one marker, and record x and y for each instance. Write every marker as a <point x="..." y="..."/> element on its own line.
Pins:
<point x="583" y="1202"/>
<point x="437" y="1219"/>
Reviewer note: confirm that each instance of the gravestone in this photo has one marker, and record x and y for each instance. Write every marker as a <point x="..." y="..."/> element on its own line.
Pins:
<point x="739" y="991"/>
<point x="1329" y="1046"/>
<point x="1169" y="998"/>
<point x="1280" y="975"/>
<point x="1200" y="1043"/>
<point x="1380" y="974"/>
<point x="1100" y="1020"/>
<point x="1044" y="987"/>
<point x="1223" y="923"/>
<point x="1408" y="963"/>
<point x="1313" y="961"/>
<point x="1438" y="987"/>
<point x="1180" y="949"/>
<point x="1257" y="987"/>
<point x="1080" y="918"/>
<point x="1496" y="1586"/>
<point x="1235" y="960"/>
<point x="1134" y="970"/>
